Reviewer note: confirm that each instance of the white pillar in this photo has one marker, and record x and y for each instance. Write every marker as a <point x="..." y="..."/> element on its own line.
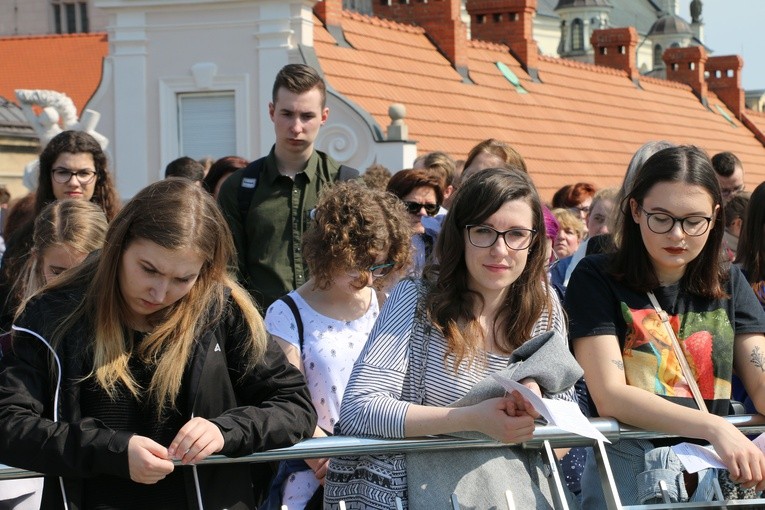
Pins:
<point x="130" y="145"/>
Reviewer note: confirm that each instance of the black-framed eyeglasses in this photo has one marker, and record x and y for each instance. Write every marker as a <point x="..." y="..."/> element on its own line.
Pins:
<point x="63" y="175"/>
<point x="380" y="270"/>
<point x="483" y="236"/>
<point x="661" y="223"/>
<point x="414" y="208"/>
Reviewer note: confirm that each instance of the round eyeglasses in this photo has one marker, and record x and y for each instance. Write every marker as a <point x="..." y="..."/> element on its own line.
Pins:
<point x="63" y="175"/>
<point x="483" y="236"/>
<point x="661" y="223"/>
<point x="380" y="270"/>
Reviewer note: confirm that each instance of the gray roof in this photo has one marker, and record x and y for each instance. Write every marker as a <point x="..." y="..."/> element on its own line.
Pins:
<point x="670" y="25"/>
<point x="13" y="122"/>
<point x="582" y="3"/>
<point x="547" y="8"/>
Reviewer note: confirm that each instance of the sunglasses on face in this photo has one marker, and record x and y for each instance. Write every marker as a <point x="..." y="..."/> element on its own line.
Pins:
<point x="415" y="207"/>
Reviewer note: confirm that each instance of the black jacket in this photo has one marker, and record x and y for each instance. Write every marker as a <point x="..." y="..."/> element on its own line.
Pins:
<point x="268" y="407"/>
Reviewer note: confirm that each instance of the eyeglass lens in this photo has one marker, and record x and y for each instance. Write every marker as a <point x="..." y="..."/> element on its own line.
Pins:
<point x="482" y="236"/>
<point x="62" y="175"/>
<point x="661" y="223"/>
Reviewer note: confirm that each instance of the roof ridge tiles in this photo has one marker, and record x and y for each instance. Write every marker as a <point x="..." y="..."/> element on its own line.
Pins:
<point x="583" y="65"/>
<point x="382" y="22"/>
<point x="488" y="45"/>
<point x="664" y="82"/>
<point x="53" y="36"/>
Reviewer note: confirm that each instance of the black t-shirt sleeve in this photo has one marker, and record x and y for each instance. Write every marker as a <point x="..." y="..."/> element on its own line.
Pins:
<point x="749" y="316"/>
<point x="591" y="304"/>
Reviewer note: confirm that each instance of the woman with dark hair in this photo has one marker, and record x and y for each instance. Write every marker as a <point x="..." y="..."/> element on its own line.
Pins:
<point x="146" y="353"/>
<point x="663" y="298"/>
<point x="750" y="254"/>
<point x="72" y="166"/>
<point x="220" y="171"/>
<point x="421" y="193"/>
<point x="437" y="337"/>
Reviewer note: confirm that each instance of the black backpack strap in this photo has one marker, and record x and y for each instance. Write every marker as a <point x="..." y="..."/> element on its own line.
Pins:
<point x="247" y="187"/>
<point x="293" y="306"/>
<point x="347" y="173"/>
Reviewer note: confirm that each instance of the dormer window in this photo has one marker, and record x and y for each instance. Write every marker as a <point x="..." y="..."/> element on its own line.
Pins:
<point x="70" y="17"/>
<point x="577" y="35"/>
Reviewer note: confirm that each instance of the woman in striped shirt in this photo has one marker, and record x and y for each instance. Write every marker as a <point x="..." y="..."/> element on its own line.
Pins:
<point x="439" y="336"/>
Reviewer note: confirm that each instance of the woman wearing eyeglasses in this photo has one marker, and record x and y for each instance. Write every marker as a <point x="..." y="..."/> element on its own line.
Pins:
<point x="669" y="251"/>
<point x="438" y="336"/>
<point x="360" y="240"/>
<point x="72" y="166"/>
<point x="422" y="195"/>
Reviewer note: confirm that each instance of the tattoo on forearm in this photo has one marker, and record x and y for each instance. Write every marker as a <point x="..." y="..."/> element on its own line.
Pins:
<point x="757" y="358"/>
<point x="619" y="363"/>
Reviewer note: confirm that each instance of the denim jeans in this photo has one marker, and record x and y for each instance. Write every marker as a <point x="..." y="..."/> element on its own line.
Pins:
<point x="637" y="468"/>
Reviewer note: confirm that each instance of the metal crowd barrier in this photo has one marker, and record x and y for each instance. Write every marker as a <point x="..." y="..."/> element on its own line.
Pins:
<point x="546" y="438"/>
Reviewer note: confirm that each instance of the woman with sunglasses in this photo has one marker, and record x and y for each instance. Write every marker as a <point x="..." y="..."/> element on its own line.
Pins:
<point x="438" y="336"/>
<point x="668" y="264"/>
<point x="359" y="241"/>
<point x="421" y="193"/>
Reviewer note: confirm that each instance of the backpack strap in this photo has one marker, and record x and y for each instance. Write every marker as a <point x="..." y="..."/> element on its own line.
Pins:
<point x="298" y="321"/>
<point x="247" y="187"/>
<point x="347" y="173"/>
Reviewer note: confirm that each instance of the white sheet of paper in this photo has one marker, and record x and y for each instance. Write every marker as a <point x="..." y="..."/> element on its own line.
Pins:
<point x="760" y="442"/>
<point x="696" y="457"/>
<point x="560" y="413"/>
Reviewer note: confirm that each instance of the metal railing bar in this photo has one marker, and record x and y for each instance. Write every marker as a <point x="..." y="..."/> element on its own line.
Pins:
<point x="345" y="446"/>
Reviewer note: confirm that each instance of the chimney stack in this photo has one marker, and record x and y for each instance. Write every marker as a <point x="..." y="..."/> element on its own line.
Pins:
<point x="686" y="65"/>
<point x="616" y="48"/>
<point x="330" y="12"/>
<point x="441" y="21"/>
<point x="725" y="81"/>
<point x="508" y="22"/>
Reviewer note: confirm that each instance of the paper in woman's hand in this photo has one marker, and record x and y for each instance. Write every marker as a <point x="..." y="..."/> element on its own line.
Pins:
<point x="560" y="413"/>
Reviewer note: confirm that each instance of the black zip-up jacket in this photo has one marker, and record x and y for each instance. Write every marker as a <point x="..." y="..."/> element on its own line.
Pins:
<point x="265" y="408"/>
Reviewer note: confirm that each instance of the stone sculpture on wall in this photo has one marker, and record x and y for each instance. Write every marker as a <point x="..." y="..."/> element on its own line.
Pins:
<point x="57" y="114"/>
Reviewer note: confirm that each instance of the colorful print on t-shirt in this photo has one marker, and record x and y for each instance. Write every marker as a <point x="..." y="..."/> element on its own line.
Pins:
<point x="706" y="339"/>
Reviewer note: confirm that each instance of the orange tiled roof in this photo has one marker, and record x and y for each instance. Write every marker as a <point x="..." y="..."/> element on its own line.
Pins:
<point x="68" y="63"/>
<point x="581" y="123"/>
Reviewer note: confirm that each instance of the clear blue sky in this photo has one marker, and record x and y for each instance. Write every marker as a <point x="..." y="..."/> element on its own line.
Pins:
<point x="735" y="27"/>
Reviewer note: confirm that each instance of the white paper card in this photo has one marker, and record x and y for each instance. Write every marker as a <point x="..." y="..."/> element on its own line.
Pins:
<point x="696" y="457"/>
<point x="759" y="441"/>
<point x="560" y="413"/>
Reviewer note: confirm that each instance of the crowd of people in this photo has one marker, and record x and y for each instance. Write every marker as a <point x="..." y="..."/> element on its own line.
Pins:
<point x="239" y="306"/>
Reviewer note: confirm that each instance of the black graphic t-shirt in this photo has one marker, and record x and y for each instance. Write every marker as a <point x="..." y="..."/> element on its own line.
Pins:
<point x="599" y="305"/>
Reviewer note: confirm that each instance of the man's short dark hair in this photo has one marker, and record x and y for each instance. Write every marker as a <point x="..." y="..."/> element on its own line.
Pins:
<point x="185" y="167"/>
<point x="725" y="163"/>
<point x="298" y="79"/>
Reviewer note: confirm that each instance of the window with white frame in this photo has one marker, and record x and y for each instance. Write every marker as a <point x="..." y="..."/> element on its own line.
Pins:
<point x="70" y="17"/>
<point x="206" y="124"/>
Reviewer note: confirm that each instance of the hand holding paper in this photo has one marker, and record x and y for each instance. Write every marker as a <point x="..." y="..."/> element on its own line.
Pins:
<point x="562" y="414"/>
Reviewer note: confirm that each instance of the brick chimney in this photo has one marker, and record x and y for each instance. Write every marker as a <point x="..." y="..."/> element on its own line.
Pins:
<point x="686" y="65"/>
<point x="330" y="12"/>
<point x="615" y="47"/>
<point x="441" y="21"/>
<point x="725" y="80"/>
<point x="508" y="22"/>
